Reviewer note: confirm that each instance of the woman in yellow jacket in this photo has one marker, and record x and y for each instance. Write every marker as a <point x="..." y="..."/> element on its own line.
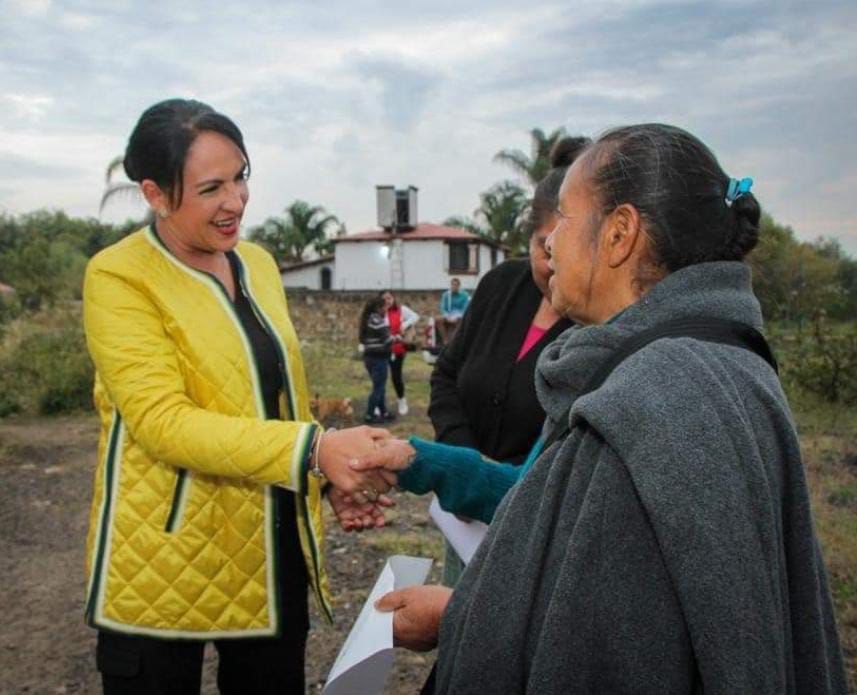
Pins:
<point x="206" y="520"/>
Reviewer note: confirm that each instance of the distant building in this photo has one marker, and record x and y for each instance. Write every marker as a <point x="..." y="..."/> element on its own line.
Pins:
<point x="401" y="254"/>
<point x="6" y="290"/>
<point x="316" y="274"/>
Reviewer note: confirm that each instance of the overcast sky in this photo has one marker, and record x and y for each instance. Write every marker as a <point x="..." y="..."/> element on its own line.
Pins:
<point x="335" y="97"/>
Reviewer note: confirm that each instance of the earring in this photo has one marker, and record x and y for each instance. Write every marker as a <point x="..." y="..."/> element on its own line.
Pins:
<point x="162" y="213"/>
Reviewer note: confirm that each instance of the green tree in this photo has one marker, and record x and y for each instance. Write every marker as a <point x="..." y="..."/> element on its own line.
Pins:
<point x="844" y="305"/>
<point x="502" y="208"/>
<point x="43" y="254"/>
<point x="770" y="261"/>
<point x="302" y="227"/>
<point x="499" y="217"/>
<point x="35" y="270"/>
<point x="792" y="279"/>
<point x="824" y="361"/>
<point x="535" y="166"/>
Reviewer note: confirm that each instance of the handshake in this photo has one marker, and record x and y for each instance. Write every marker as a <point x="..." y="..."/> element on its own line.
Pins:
<point x="361" y="465"/>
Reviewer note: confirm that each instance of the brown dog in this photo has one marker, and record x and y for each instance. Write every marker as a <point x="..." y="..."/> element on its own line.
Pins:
<point x="330" y="410"/>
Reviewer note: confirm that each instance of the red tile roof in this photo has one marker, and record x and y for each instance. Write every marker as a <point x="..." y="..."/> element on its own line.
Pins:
<point x="422" y="232"/>
<point x="306" y="264"/>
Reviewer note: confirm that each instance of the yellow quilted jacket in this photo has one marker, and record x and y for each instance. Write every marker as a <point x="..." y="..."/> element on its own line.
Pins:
<point x="182" y="526"/>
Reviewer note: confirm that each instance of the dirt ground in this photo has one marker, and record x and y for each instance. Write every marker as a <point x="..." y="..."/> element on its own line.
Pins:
<point x="46" y="469"/>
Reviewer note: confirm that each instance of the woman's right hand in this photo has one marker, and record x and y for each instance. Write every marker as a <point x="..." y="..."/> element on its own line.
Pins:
<point x="339" y="448"/>
<point x="417" y="612"/>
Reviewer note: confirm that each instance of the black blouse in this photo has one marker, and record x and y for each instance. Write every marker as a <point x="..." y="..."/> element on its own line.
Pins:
<point x="292" y="568"/>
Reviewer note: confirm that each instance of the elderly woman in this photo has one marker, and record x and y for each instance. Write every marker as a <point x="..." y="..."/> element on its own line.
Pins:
<point x="663" y="543"/>
<point x="206" y="518"/>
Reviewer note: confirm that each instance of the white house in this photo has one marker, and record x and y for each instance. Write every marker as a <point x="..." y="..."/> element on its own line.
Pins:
<point x="399" y="255"/>
<point x="315" y="274"/>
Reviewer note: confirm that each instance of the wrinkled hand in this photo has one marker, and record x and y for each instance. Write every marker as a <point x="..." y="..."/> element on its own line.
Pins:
<point x="337" y="448"/>
<point x="390" y="454"/>
<point x="356" y="517"/>
<point x="418" y="610"/>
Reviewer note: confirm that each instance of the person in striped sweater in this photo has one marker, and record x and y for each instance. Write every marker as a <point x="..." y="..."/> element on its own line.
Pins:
<point x="377" y="345"/>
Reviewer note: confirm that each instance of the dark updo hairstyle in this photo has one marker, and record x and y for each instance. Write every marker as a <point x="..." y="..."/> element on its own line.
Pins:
<point x="679" y="189"/>
<point x="543" y="205"/>
<point x="158" y="145"/>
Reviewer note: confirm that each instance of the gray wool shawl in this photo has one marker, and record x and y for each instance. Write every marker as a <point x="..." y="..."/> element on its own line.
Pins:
<point x="666" y="545"/>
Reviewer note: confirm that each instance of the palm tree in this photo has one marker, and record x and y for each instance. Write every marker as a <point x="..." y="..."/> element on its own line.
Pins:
<point x="499" y="216"/>
<point x="120" y="189"/>
<point x="312" y="222"/>
<point x="464" y="222"/>
<point x="502" y="207"/>
<point x="288" y="237"/>
<point x="535" y="166"/>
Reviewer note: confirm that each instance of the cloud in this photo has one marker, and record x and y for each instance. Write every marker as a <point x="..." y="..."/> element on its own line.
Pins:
<point x="402" y="90"/>
<point x="16" y="168"/>
<point x="30" y="8"/>
<point x="31" y="107"/>
<point x="336" y="97"/>
<point x="77" y="22"/>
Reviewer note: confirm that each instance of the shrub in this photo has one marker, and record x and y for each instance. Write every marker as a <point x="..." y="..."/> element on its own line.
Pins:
<point x="825" y="362"/>
<point x="47" y="370"/>
<point x="9" y="404"/>
<point x="10" y="309"/>
<point x="63" y="371"/>
<point x="67" y="385"/>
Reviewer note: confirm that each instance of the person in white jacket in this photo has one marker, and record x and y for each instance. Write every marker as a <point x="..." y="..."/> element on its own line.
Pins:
<point x="400" y="318"/>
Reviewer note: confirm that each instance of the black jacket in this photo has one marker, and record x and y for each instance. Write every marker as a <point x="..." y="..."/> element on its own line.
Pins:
<point x="481" y="396"/>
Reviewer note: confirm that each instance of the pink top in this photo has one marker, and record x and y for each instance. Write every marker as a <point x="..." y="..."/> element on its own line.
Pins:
<point x="534" y="335"/>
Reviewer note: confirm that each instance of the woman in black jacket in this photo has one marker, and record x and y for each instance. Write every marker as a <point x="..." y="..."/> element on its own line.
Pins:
<point x="482" y="390"/>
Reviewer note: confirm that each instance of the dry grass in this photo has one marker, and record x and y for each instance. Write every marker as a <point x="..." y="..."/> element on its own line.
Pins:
<point x="829" y="445"/>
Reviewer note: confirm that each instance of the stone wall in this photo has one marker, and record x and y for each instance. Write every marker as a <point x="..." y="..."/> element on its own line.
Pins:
<point x="332" y="315"/>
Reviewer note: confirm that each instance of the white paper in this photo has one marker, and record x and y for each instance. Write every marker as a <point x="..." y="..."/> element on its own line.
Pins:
<point x="464" y="537"/>
<point x="365" y="659"/>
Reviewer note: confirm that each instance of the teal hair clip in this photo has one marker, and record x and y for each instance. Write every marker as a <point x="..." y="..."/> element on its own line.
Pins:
<point x="736" y="189"/>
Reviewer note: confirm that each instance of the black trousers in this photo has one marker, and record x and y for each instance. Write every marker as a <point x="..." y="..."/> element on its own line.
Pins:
<point x="132" y="665"/>
<point x="396" y="364"/>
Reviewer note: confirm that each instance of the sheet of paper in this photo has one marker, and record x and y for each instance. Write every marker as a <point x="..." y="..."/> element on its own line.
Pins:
<point x="366" y="657"/>
<point x="465" y="537"/>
